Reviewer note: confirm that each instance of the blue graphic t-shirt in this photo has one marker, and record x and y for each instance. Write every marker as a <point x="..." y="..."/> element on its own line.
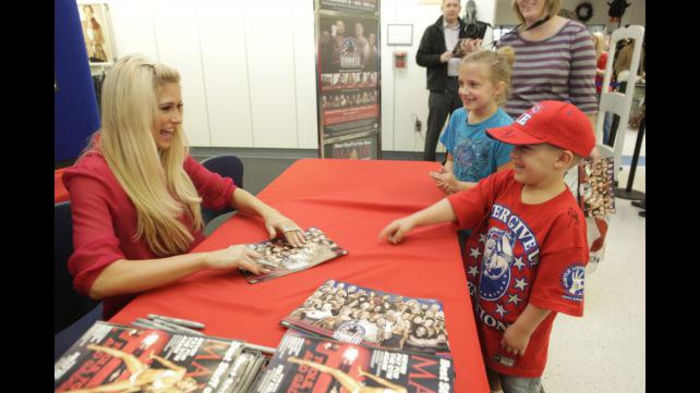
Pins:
<point x="475" y="155"/>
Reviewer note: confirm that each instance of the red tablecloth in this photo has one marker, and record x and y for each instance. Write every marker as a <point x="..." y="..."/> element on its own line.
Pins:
<point x="351" y="201"/>
<point x="60" y="193"/>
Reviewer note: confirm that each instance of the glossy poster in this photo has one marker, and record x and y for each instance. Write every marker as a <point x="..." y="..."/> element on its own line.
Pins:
<point x="349" y="77"/>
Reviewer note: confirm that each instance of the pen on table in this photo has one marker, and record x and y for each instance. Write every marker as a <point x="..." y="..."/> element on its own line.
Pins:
<point x="177" y="328"/>
<point x="261" y="348"/>
<point x="145" y="323"/>
<point x="142" y="325"/>
<point x="177" y="321"/>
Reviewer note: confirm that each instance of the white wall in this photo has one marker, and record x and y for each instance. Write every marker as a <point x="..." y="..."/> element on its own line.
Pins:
<point x="248" y="68"/>
<point x="248" y="72"/>
<point x="404" y="93"/>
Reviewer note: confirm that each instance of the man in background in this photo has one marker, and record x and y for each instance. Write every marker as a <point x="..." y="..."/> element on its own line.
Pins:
<point x="435" y="54"/>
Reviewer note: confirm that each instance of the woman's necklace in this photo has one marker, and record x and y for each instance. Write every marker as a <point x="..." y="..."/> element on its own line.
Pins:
<point x="538" y="23"/>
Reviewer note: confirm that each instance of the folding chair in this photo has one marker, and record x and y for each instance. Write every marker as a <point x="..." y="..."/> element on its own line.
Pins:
<point x="226" y="166"/>
<point x="73" y="313"/>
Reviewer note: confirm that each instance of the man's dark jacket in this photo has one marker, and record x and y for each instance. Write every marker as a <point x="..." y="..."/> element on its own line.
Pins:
<point x="432" y="45"/>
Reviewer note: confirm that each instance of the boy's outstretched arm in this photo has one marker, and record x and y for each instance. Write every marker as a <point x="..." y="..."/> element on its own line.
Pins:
<point x="436" y="213"/>
<point x="517" y="336"/>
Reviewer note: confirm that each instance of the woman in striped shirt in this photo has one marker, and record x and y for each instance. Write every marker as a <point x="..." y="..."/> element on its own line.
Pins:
<point x="554" y="59"/>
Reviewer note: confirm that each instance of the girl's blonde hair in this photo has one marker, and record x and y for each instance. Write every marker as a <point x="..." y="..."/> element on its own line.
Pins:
<point x="599" y="43"/>
<point x="499" y="64"/>
<point x="154" y="180"/>
<point x="551" y="8"/>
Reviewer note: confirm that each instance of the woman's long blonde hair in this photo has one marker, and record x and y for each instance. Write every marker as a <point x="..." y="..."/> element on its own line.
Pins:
<point x="154" y="180"/>
<point x="598" y="43"/>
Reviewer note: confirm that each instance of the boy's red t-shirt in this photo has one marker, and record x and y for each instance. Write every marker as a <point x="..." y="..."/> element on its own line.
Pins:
<point x="519" y="254"/>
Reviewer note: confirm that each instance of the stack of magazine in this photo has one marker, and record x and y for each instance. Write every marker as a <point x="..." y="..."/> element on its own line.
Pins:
<point x="111" y="357"/>
<point x="342" y="339"/>
<point x="282" y="258"/>
<point x="307" y="364"/>
<point x="358" y="315"/>
<point x="346" y="338"/>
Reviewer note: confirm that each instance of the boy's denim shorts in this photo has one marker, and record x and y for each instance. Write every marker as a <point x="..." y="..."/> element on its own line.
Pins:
<point x="513" y="384"/>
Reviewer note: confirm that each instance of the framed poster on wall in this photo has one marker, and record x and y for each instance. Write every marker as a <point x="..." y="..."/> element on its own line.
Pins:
<point x="97" y="32"/>
<point x="348" y="72"/>
<point x="399" y="34"/>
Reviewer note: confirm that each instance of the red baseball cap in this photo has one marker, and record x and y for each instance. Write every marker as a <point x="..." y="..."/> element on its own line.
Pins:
<point x="557" y="123"/>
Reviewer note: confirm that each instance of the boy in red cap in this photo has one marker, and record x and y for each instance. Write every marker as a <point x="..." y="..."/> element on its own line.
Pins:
<point x="528" y="250"/>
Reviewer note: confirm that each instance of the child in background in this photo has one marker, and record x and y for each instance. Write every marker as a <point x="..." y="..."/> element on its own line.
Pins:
<point x="601" y="53"/>
<point x="484" y="79"/>
<point x="528" y="251"/>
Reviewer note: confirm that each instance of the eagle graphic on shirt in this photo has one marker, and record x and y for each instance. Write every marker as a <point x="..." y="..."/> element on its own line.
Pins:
<point x="501" y="258"/>
<point x="472" y="157"/>
<point x="498" y="258"/>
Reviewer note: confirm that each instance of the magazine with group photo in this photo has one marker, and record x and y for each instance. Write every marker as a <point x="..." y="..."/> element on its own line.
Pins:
<point x="309" y="364"/>
<point x="282" y="258"/>
<point x="358" y="315"/>
<point x="596" y="187"/>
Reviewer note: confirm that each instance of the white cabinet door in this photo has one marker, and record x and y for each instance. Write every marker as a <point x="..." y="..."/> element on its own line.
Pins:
<point x="225" y="62"/>
<point x="177" y="38"/>
<point x="271" y="73"/>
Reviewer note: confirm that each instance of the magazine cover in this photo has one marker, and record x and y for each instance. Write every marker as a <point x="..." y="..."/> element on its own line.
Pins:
<point x="282" y="258"/>
<point x="313" y="365"/>
<point x="373" y="318"/>
<point x="597" y="194"/>
<point x="111" y="357"/>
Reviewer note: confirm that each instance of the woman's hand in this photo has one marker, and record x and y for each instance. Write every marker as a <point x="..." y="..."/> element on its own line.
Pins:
<point x="446" y="56"/>
<point x="395" y="232"/>
<point x="470" y="45"/>
<point x="239" y="256"/>
<point x="277" y="224"/>
<point x="595" y="155"/>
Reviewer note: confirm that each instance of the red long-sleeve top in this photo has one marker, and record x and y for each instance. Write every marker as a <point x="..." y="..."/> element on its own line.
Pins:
<point x="105" y="219"/>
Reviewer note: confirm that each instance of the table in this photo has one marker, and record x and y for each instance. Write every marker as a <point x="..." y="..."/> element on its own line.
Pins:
<point x="351" y="201"/>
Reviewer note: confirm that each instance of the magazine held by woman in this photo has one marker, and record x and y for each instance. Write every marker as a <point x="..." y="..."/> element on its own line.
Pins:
<point x="282" y="258"/>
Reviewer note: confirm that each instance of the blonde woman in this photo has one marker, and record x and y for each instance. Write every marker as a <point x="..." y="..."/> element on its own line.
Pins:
<point x="136" y="194"/>
<point x="554" y="59"/>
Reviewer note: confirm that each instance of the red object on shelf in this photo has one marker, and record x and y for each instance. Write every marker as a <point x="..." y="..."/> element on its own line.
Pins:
<point x="400" y="59"/>
<point x="60" y="193"/>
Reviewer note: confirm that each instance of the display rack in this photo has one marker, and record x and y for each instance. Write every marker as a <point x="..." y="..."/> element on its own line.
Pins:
<point x="628" y="192"/>
<point x="616" y="102"/>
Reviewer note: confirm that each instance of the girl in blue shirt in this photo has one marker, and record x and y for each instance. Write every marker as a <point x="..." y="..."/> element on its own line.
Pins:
<point x="484" y="79"/>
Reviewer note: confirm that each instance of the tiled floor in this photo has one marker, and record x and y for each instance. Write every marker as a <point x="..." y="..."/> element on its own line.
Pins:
<point x="605" y="350"/>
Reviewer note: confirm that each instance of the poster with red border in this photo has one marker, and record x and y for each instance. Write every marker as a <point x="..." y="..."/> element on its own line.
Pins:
<point x="348" y="74"/>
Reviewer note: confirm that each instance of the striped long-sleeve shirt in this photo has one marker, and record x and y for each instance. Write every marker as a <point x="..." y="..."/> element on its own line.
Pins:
<point x="559" y="68"/>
